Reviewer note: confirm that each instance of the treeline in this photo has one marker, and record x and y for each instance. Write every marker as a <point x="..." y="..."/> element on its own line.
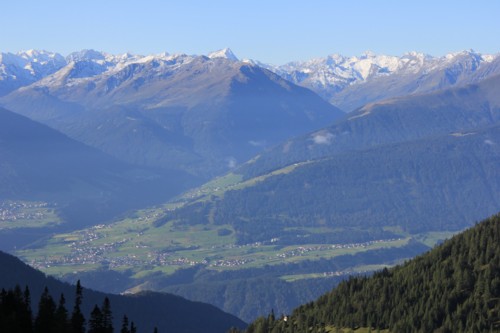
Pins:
<point x="16" y="314"/>
<point x="454" y="288"/>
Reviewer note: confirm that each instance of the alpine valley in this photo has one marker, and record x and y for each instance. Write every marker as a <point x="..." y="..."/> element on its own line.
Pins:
<point x="245" y="185"/>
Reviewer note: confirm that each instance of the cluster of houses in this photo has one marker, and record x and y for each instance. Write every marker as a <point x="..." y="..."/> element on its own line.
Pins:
<point x="21" y="210"/>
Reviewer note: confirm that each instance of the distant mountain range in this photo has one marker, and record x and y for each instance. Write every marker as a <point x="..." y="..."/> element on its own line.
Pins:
<point x="351" y="82"/>
<point x="194" y="113"/>
<point x="167" y="312"/>
<point x="348" y="82"/>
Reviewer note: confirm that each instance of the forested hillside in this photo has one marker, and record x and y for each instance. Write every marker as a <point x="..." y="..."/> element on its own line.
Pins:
<point x="453" y="288"/>
<point x="445" y="182"/>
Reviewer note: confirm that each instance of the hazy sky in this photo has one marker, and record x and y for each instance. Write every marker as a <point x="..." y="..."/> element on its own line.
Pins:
<point x="274" y="31"/>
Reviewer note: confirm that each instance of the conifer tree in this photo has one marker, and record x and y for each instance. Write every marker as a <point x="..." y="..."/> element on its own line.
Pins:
<point x="77" y="318"/>
<point x="96" y="321"/>
<point x="27" y="301"/>
<point x="25" y="312"/>
<point x="107" y="316"/>
<point x="125" y="325"/>
<point x="61" y="316"/>
<point x="45" y="319"/>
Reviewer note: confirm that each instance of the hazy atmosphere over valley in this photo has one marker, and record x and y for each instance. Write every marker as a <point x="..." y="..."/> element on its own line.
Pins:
<point x="256" y="167"/>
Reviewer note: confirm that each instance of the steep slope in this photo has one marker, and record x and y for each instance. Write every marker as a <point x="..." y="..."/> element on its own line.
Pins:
<point x="38" y="163"/>
<point x="188" y="112"/>
<point x="167" y="312"/>
<point x="351" y="82"/>
<point x="453" y="288"/>
<point x="391" y="121"/>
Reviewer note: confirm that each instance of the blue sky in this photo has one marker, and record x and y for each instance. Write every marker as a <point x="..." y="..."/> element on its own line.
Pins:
<point x="274" y="31"/>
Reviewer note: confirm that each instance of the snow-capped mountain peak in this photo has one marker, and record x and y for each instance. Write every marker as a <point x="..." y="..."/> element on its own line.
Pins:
<point x="41" y="56"/>
<point x="26" y="67"/>
<point x="224" y="53"/>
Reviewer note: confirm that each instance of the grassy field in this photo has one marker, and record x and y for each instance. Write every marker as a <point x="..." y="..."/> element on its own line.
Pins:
<point x="136" y="244"/>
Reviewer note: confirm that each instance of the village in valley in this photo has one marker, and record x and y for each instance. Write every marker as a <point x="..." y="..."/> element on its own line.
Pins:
<point x="96" y="247"/>
<point x="19" y="214"/>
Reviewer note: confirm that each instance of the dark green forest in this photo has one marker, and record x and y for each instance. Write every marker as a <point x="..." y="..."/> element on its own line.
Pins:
<point x="16" y="314"/>
<point x="453" y="288"/>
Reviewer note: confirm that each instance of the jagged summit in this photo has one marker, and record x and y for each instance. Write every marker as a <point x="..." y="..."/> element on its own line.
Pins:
<point x="40" y="56"/>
